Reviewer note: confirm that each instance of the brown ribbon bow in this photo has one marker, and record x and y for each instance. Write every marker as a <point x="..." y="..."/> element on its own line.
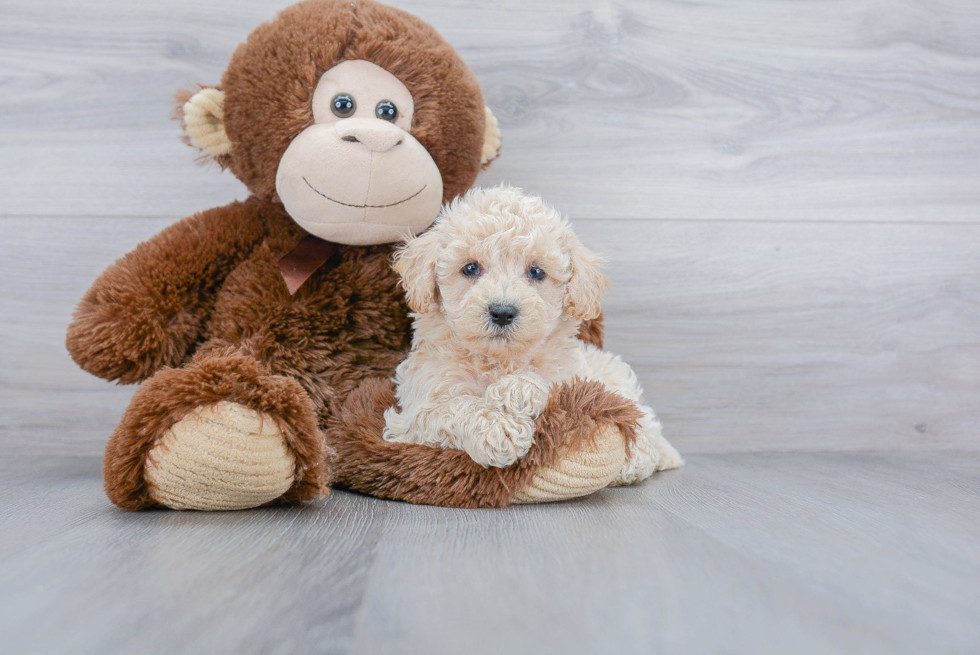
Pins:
<point x="304" y="260"/>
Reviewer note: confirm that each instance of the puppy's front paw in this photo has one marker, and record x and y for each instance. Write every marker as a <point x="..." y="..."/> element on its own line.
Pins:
<point x="537" y="388"/>
<point x="503" y="443"/>
<point x="521" y="394"/>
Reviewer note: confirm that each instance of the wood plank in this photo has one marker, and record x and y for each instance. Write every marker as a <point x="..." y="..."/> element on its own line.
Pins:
<point x="759" y="336"/>
<point x="739" y="553"/>
<point x="830" y="110"/>
<point x="276" y="580"/>
<point x="767" y="553"/>
<point x="888" y="537"/>
<point x="44" y="498"/>
<point x="46" y="401"/>
<point x="747" y="336"/>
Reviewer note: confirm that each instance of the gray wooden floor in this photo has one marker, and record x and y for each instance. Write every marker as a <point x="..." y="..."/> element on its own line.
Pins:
<point x="789" y="196"/>
<point x="736" y="553"/>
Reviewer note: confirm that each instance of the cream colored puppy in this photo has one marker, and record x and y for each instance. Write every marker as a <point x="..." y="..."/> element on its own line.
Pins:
<point x="499" y="286"/>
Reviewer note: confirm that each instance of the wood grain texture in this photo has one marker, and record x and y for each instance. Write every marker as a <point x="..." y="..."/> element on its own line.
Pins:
<point x="737" y="553"/>
<point x="830" y="109"/>
<point x="799" y="336"/>
<point x="223" y="582"/>
<point x="746" y="335"/>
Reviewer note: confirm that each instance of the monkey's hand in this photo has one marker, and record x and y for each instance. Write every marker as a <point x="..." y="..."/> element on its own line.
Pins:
<point x="148" y="310"/>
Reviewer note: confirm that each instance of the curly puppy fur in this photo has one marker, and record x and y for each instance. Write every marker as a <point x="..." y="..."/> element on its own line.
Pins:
<point x="500" y="286"/>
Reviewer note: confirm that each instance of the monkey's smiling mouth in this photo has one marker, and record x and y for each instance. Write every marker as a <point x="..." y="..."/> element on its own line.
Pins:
<point x="347" y="204"/>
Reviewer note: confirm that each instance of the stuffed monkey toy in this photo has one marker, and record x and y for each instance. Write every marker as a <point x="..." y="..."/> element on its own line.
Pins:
<point x="264" y="333"/>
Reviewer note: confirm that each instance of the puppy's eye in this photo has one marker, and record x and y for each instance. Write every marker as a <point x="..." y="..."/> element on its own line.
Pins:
<point x="471" y="270"/>
<point x="343" y="105"/>
<point x="536" y="274"/>
<point x="386" y="110"/>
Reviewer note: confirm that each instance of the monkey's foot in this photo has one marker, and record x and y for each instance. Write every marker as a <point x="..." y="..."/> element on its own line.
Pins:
<point x="220" y="433"/>
<point x="221" y="456"/>
<point x="578" y="473"/>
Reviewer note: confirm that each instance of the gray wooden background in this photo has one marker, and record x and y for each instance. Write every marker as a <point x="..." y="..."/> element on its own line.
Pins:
<point x="789" y="196"/>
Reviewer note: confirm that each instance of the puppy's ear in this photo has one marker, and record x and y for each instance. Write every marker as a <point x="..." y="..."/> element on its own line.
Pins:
<point x="583" y="296"/>
<point x="415" y="262"/>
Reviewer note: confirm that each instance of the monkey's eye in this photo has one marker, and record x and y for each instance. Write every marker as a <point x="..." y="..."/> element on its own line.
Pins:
<point x="471" y="270"/>
<point x="343" y="105"/>
<point x="386" y="110"/>
<point x="536" y="274"/>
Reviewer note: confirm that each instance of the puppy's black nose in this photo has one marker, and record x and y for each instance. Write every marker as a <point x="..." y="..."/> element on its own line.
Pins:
<point x="503" y="314"/>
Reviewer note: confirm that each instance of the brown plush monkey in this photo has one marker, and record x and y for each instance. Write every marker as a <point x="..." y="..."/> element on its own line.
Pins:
<point x="264" y="331"/>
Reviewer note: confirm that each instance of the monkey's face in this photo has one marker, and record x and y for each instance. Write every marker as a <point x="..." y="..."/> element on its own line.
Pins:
<point x="356" y="176"/>
<point x="364" y="153"/>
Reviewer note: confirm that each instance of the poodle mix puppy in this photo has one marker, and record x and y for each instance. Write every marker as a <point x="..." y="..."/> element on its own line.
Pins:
<point x="499" y="286"/>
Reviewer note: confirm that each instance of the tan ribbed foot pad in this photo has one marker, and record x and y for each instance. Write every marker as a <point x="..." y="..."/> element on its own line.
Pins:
<point x="580" y="473"/>
<point x="220" y="457"/>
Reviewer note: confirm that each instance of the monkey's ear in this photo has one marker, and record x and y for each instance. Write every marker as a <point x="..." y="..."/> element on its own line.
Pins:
<point x="491" y="139"/>
<point x="203" y="115"/>
<point x="583" y="298"/>
<point x="415" y="262"/>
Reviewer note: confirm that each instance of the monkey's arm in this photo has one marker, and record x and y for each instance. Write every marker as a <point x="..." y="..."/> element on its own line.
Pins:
<point x="148" y="309"/>
<point x="580" y="417"/>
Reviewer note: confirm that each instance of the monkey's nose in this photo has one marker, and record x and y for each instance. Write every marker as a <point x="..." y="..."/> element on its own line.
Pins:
<point x="376" y="135"/>
<point x="502" y="314"/>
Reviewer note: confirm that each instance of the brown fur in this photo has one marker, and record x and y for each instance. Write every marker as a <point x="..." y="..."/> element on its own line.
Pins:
<point x="591" y="331"/>
<point x="575" y="413"/>
<point x="201" y="313"/>
<point x="149" y="309"/>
